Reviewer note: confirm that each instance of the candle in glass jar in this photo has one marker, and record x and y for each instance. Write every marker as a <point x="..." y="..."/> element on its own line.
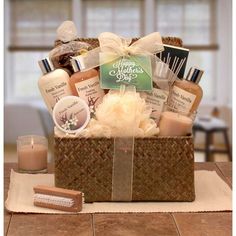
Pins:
<point x="32" y="154"/>
<point x="175" y="124"/>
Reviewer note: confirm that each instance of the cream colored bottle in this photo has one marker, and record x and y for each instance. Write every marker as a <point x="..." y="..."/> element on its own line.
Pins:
<point x="54" y="84"/>
<point x="186" y="94"/>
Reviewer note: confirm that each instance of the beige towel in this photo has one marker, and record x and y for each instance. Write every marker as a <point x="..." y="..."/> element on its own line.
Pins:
<point x="212" y="194"/>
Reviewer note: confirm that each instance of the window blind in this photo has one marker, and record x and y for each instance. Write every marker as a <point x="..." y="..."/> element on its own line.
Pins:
<point x="120" y="17"/>
<point x="192" y="20"/>
<point x="34" y="22"/>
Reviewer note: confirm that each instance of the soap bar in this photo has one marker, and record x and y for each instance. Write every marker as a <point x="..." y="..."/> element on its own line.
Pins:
<point x="58" y="198"/>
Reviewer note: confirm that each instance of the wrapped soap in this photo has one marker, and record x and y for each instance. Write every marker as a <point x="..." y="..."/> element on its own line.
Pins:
<point x="67" y="46"/>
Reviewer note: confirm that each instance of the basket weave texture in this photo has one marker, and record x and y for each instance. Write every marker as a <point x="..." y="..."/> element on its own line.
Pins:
<point x="163" y="167"/>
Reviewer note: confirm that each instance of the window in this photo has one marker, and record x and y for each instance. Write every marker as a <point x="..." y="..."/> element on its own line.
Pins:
<point x="120" y="17"/>
<point x="25" y="73"/>
<point x="34" y="23"/>
<point x="194" y="21"/>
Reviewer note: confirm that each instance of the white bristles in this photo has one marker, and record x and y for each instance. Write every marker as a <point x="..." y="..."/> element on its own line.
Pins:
<point x="54" y="200"/>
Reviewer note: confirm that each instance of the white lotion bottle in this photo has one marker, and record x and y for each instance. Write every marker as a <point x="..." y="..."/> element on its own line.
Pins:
<point x="54" y="84"/>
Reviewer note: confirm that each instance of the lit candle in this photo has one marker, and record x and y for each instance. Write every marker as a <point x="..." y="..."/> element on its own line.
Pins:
<point x="32" y="154"/>
<point x="175" y="124"/>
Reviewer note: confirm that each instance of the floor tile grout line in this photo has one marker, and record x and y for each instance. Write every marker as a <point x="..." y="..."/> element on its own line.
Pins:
<point x="176" y="225"/>
<point x="93" y="225"/>
<point x="8" y="225"/>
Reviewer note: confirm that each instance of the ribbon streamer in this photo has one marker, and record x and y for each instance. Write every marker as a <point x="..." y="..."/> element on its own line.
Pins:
<point x="122" y="171"/>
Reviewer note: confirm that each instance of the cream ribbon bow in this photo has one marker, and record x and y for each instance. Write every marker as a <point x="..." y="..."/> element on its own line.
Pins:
<point x="114" y="44"/>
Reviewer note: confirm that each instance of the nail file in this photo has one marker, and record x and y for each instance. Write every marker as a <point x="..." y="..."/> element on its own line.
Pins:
<point x="58" y="198"/>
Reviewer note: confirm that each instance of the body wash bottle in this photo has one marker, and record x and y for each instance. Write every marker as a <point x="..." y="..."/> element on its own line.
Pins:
<point x="54" y="84"/>
<point x="85" y="84"/>
<point x="186" y="94"/>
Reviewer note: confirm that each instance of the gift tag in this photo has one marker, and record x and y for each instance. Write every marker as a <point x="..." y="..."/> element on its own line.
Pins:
<point x="130" y="70"/>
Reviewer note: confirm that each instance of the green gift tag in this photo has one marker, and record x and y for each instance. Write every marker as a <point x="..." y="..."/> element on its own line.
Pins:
<point x="131" y="70"/>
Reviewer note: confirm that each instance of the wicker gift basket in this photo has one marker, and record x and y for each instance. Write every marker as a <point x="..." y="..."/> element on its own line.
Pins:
<point x="163" y="167"/>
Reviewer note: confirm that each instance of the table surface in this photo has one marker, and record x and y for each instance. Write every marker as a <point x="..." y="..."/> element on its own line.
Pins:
<point x="125" y="224"/>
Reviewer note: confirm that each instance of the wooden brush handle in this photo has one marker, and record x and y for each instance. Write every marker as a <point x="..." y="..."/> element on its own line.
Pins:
<point x="76" y="196"/>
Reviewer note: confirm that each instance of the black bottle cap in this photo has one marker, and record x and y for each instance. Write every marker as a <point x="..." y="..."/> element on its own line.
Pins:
<point x="194" y="75"/>
<point x="46" y="65"/>
<point x="78" y="63"/>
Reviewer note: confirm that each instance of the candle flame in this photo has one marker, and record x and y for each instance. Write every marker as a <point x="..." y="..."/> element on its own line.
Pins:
<point x="32" y="143"/>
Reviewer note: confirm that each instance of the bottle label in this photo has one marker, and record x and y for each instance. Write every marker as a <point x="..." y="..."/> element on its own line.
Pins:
<point x="90" y="91"/>
<point x="71" y="114"/>
<point x="181" y="99"/>
<point x="156" y="100"/>
<point x="55" y="90"/>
